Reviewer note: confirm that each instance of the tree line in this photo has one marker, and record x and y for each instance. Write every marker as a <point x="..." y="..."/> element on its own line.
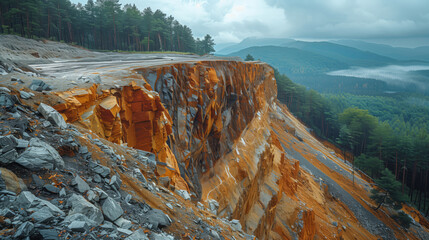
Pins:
<point x="100" y="25"/>
<point x="394" y="151"/>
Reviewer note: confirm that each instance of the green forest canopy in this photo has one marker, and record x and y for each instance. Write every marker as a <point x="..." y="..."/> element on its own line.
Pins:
<point x="390" y="133"/>
<point x="101" y="25"/>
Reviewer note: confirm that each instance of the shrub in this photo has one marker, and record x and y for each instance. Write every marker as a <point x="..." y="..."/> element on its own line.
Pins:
<point x="403" y="219"/>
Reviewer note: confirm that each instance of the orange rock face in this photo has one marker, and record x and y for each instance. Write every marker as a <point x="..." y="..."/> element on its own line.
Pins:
<point x="211" y="103"/>
<point x="217" y="131"/>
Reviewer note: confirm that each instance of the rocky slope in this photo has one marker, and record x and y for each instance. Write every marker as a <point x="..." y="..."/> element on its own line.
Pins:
<point x="170" y="146"/>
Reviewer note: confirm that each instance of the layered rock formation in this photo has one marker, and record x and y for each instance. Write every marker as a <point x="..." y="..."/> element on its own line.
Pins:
<point x="216" y="132"/>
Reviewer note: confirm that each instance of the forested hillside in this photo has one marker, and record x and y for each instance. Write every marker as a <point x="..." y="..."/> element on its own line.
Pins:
<point x="390" y="133"/>
<point x="101" y="25"/>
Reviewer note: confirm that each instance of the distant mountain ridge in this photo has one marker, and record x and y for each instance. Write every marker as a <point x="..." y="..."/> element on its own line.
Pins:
<point x="400" y="53"/>
<point x="253" y="42"/>
<point x="350" y="55"/>
<point x="292" y="61"/>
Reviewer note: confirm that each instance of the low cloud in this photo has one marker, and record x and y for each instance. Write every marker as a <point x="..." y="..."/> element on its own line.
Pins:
<point x="232" y="21"/>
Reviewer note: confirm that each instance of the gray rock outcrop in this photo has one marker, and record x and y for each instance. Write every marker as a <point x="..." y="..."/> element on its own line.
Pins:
<point x="112" y="209"/>
<point x="79" y="205"/>
<point x="40" y="155"/>
<point x="52" y="115"/>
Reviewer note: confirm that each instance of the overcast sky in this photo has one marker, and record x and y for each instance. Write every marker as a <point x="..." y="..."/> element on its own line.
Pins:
<point x="400" y="21"/>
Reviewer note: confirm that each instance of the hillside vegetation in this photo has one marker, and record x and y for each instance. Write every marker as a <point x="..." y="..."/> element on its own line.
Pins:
<point x="382" y="132"/>
<point x="101" y="25"/>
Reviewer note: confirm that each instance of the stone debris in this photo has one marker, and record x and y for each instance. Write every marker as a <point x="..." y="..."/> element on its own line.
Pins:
<point x="184" y="194"/>
<point x="43" y="215"/>
<point x="90" y="79"/>
<point x="40" y="155"/>
<point x="39" y="85"/>
<point x="5" y="89"/>
<point x="157" y="219"/>
<point x="213" y="206"/>
<point x="112" y="209"/>
<point x="79" y="205"/>
<point x="24" y="230"/>
<point x="137" y="235"/>
<point x="26" y="95"/>
<point x="10" y="182"/>
<point x="52" y="115"/>
<point x="51" y="188"/>
<point x="81" y="185"/>
<point x="88" y="179"/>
<point x="123" y="223"/>
<point x="78" y="226"/>
<point x="8" y="102"/>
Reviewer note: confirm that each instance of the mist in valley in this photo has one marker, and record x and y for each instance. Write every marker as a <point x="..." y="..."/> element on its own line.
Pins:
<point x="398" y="75"/>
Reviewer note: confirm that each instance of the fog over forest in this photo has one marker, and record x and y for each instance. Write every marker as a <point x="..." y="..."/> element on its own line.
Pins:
<point x="392" y="74"/>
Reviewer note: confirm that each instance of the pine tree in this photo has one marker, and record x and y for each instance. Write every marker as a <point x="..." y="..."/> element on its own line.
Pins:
<point x="389" y="190"/>
<point x="249" y="58"/>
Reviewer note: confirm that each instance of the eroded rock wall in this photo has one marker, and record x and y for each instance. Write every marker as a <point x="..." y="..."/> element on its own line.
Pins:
<point x="196" y="113"/>
<point x="218" y="132"/>
<point x="211" y="103"/>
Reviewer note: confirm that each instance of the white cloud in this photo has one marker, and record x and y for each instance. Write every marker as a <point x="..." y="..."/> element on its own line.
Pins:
<point x="234" y="20"/>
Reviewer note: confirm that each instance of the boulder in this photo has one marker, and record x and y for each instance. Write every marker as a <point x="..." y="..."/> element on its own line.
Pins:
<point x="8" y="102"/>
<point x="39" y="85"/>
<point x="78" y="226"/>
<point x="6" y="212"/>
<point x="102" y="194"/>
<point x="11" y="181"/>
<point x="92" y="196"/>
<point x="54" y="209"/>
<point x="24" y="230"/>
<point x="42" y="215"/>
<point x="101" y="170"/>
<point x="51" y="188"/>
<point x="137" y="235"/>
<point x="52" y="115"/>
<point x="37" y="181"/>
<point x="235" y="224"/>
<point x="26" y="95"/>
<point x="165" y="181"/>
<point x="63" y="192"/>
<point x="183" y="193"/>
<point x="160" y="236"/>
<point x="116" y="182"/>
<point x="81" y="185"/>
<point x="40" y="155"/>
<point x="112" y="209"/>
<point x="25" y="199"/>
<point x="9" y="157"/>
<point x="124" y="231"/>
<point x="80" y="205"/>
<point x="139" y="175"/>
<point x="78" y="217"/>
<point x="48" y="234"/>
<point x="8" y="143"/>
<point x="123" y="223"/>
<point x="21" y="143"/>
<point x="90" y="79"/>
<point x="213" y="206"/>
<point x="157" y="218"/>
<point x="4" y="89"/>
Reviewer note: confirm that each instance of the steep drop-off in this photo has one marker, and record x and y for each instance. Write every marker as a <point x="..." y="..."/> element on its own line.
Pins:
<point x="217" y="131"/>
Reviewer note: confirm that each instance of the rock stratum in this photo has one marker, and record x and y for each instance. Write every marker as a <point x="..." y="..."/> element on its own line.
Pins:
<point x="171" y="147"/>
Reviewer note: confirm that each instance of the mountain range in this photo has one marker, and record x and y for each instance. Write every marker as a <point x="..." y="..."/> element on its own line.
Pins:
<point x="312" y="63"/>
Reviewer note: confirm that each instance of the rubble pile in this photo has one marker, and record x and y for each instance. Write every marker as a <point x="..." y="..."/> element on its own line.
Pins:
<point x="171" y="147"/>
<point x="53" y="187"/>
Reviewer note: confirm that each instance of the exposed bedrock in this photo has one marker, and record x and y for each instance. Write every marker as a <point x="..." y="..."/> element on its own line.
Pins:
<point x="192" y="119"/>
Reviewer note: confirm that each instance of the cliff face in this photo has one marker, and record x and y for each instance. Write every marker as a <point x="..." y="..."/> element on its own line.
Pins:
<point x="211" y="103"/>
<point x="218" y="132"/>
